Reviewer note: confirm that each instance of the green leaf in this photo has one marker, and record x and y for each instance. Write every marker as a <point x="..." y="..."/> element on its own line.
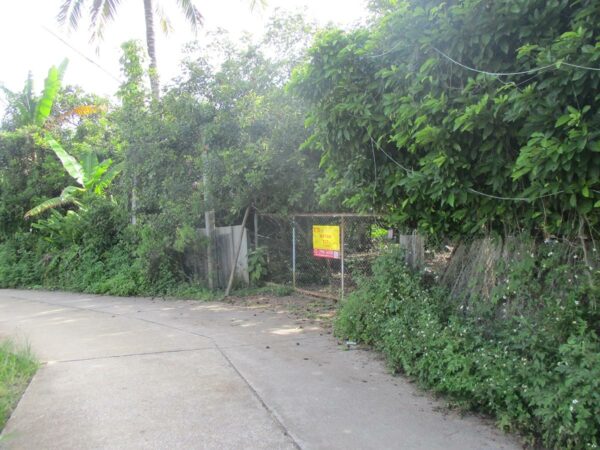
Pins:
<point x="562" y="120"/>
<point x="450" y="199"/>
<point x="108" y="178"/>
<point x="44" y="105"/>
<point x="585" y="192"/>
<point x="70" y="164"/>
<point x="67" y="196"/>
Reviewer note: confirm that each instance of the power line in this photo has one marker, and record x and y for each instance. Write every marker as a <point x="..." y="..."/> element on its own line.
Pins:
<point x="387" y="52"/>
<point x="514" y="199"/>
<point x="389" y="157"/>
<point x="577" y="66"/>
<point x="471" y="190"/>
<point x="83" y="55"/>
<point x="556" y="65"/>
<point x="494" y="74"/>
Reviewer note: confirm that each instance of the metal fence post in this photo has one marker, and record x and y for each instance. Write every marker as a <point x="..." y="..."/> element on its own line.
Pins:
<point x="342" y="256"/>
<point x="294" y="252"/>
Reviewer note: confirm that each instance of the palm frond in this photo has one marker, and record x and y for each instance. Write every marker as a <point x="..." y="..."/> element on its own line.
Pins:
<point x="192" y="14"/>
<point x="163" y="19"/>
<point x="255" y="3"/>
<point x="70" y="11"/>
<point x="102" y="12"/>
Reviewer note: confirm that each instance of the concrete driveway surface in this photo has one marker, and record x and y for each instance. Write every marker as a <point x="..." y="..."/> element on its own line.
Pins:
<point x="147" y="373"/>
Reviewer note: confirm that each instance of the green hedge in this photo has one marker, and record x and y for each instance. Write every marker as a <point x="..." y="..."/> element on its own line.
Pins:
<point x="535" y="365"/>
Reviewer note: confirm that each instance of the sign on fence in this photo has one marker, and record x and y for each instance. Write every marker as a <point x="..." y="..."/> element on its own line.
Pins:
<point x="326" y="241"/>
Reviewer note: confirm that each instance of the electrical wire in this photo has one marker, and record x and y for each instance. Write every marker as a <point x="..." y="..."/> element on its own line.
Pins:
<point x="555" y="64"/>
<point x="83" y="55"/>
<point x="494" y="74"/>
<point x="471" y="190"/>
<point x="509" y="74"/>
<point x="389" y="157"/>
<point x="387" y="52"/>
<point x="514" y="199"/>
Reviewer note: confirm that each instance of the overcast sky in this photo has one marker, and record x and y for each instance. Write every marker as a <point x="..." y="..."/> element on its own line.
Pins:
<point x="27" y="45"/>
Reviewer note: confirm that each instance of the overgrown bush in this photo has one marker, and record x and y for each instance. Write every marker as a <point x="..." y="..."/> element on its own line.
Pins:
<point x="93" y="251"/>
<point x="534" y="363"/>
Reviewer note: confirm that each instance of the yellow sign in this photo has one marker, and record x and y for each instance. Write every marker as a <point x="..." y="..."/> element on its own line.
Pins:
<point x="326" y="241"/>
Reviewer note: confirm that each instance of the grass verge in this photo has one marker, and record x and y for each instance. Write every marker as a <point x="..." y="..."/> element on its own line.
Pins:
<point x="17" y="367"/>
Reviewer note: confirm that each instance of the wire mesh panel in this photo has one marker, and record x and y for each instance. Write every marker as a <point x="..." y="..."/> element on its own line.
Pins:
<point x="273" y="234"/>
<point x="364" y="240"/>
<point x="317" y="274"/>
<point x="332" y="250"/>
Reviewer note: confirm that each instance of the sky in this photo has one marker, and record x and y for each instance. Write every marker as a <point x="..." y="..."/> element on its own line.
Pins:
<point x="30" y="36"/>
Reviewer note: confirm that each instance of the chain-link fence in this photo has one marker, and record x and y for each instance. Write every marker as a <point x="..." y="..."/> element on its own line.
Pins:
<point x="321" y="254"/>
<point x="273" y="242"/>
<point x="317" y="254"/>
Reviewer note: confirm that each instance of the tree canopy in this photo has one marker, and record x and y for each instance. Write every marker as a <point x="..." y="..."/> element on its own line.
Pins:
<point x="462" y="117"/>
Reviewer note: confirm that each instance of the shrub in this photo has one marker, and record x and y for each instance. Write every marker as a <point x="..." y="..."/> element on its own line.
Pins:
<point x="534" y="365"/>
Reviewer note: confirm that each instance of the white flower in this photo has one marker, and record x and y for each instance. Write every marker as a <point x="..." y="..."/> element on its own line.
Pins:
<point x="575" y="401"/>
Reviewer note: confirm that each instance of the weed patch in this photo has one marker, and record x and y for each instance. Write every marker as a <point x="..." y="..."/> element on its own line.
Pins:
<point x="17" y="367"/>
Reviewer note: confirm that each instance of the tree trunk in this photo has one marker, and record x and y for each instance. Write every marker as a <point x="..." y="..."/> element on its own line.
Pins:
<point x="150" y="43"/>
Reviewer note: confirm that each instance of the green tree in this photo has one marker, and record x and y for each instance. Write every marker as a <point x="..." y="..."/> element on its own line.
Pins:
<point x="463" y="117"/>
<point x="254" y="137"/>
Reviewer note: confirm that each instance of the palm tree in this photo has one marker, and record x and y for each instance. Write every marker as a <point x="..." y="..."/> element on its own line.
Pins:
<point x="103" y="11"/>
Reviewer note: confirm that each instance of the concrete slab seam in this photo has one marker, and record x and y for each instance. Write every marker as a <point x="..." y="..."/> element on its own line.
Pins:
<point x="128" y="355"/>
<point x="272" y="413"/>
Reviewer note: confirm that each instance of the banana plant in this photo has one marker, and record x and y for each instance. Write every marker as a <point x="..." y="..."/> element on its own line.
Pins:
<point x="33" y="110"/>
<point x="92" y="177"/>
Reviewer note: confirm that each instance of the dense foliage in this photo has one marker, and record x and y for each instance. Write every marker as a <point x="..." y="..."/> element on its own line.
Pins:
<point x="532" y="361"/>
<point x="411" y="126"/>
<point x="129" y="183"/>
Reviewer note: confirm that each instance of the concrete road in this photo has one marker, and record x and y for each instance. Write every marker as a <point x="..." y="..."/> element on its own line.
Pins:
<point x="143" y="373"/>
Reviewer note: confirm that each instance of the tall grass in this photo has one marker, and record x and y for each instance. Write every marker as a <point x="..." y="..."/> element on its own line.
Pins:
<point x="17" y="367"/>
